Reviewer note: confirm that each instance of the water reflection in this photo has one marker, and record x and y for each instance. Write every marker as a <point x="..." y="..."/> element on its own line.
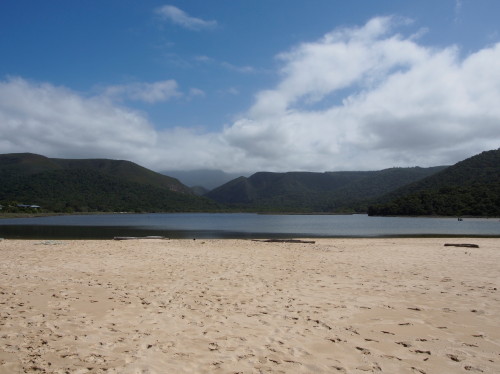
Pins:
<point x="109" y="232"/>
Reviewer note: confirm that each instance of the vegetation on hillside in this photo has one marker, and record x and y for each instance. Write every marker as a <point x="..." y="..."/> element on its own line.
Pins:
<point x="31" y="164"/>
<point x="468" y="188"/>
<point x="90" y="186"/>
<point x="331" y="192"/>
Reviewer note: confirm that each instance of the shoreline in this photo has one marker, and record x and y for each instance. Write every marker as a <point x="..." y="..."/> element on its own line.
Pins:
<point x="258" y="237"/>
<point x="366" y="305"/>
<point x="50" y="214"/>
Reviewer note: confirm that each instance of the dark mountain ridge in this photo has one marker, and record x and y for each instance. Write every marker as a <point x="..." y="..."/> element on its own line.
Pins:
<point x="29" y="164"/>
<point x="469" y="188"/>
<point x="314" y="192"/>
<point x="67" y="185"/>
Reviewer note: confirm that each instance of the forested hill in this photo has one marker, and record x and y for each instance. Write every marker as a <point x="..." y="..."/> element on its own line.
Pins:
<point x="471" y="187"/>
<point x="29" y="164"/>
<point x="314" y="192"/>
<point x="468" y="188"/>
<point x="65" y="185"/>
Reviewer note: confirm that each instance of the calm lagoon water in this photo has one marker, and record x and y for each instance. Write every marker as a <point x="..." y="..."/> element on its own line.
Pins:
<point x="240" y="225"/>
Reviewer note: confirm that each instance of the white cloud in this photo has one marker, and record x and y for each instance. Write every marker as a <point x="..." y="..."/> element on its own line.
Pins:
<point x="147" y="92"/>
<point x="181" y="18"/>
<point x="342" y="59"/>
<point x="57" y="122"/>
<point x="42" y="118"/>
<point x="358" y="98"/>
<point x="370" y="98"/>
<point x="193" y="92"/>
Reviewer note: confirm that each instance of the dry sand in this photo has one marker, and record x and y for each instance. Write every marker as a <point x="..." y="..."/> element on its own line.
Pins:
<point x="236" y="306"/>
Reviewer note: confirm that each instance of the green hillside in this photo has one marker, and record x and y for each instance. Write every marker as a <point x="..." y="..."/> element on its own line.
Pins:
<point x="28" y="164"/>
<point x="468" y="188"/>
<point x="314" y="192"/>
<point x="471" y="187"/>
<point x="62" y="185"/>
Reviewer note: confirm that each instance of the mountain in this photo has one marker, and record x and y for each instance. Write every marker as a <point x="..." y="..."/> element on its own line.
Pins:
<point x="29" y="163"/>
<point x="205" y="178"/>
<point x="92" y="185"/>
<point x="468" y="188"/>
<point x="314" y="192"/>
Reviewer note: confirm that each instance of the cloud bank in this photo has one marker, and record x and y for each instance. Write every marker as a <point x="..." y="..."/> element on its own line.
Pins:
<point x="358" y="98"/>
<point x="54" y="121"/>
<point x="369" y="98"/>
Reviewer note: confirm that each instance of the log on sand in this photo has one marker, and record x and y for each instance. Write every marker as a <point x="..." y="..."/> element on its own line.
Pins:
<point x="461" y="245"/>
<point x="284" y="241"/>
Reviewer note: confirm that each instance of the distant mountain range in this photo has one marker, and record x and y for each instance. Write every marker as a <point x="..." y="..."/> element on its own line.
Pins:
<point x="470" y="187"/>
<point x="315" y="192"/>
<point x="68" y="185"/>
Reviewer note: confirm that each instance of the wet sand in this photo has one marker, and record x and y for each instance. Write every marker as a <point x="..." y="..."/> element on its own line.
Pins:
<point x="237" y="306"/>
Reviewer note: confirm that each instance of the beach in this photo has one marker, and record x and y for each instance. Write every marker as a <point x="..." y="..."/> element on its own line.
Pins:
<point x="392" y="305"/>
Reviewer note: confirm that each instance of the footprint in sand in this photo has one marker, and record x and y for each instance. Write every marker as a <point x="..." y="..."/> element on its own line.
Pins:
<point x="404" y="344"/>
<point x="364" y="350"/>
<point x="472" y="368"/>
<point x="454" y="357"/>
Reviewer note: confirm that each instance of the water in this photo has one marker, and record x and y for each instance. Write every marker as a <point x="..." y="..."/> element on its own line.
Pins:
<point x="241" y="225"/>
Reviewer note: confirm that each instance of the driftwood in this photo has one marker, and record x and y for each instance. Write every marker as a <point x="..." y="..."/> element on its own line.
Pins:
<point x="462" y="245"/>
<point x="137" y="237"/>
<point x="284" y="241"/>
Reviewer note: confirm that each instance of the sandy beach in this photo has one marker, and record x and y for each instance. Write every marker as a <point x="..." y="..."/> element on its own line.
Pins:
<point x="241" y="306"/>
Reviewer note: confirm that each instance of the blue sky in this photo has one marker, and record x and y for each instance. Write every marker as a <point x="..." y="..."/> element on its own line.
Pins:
<point x="243" y="85"/>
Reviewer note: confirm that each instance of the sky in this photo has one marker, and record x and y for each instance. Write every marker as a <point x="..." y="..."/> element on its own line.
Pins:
<point x="251" y="85"/>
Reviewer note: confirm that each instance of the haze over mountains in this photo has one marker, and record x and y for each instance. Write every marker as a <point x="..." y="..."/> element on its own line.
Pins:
<point x="471" y="187"/>
<point x="206" y="178"/>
